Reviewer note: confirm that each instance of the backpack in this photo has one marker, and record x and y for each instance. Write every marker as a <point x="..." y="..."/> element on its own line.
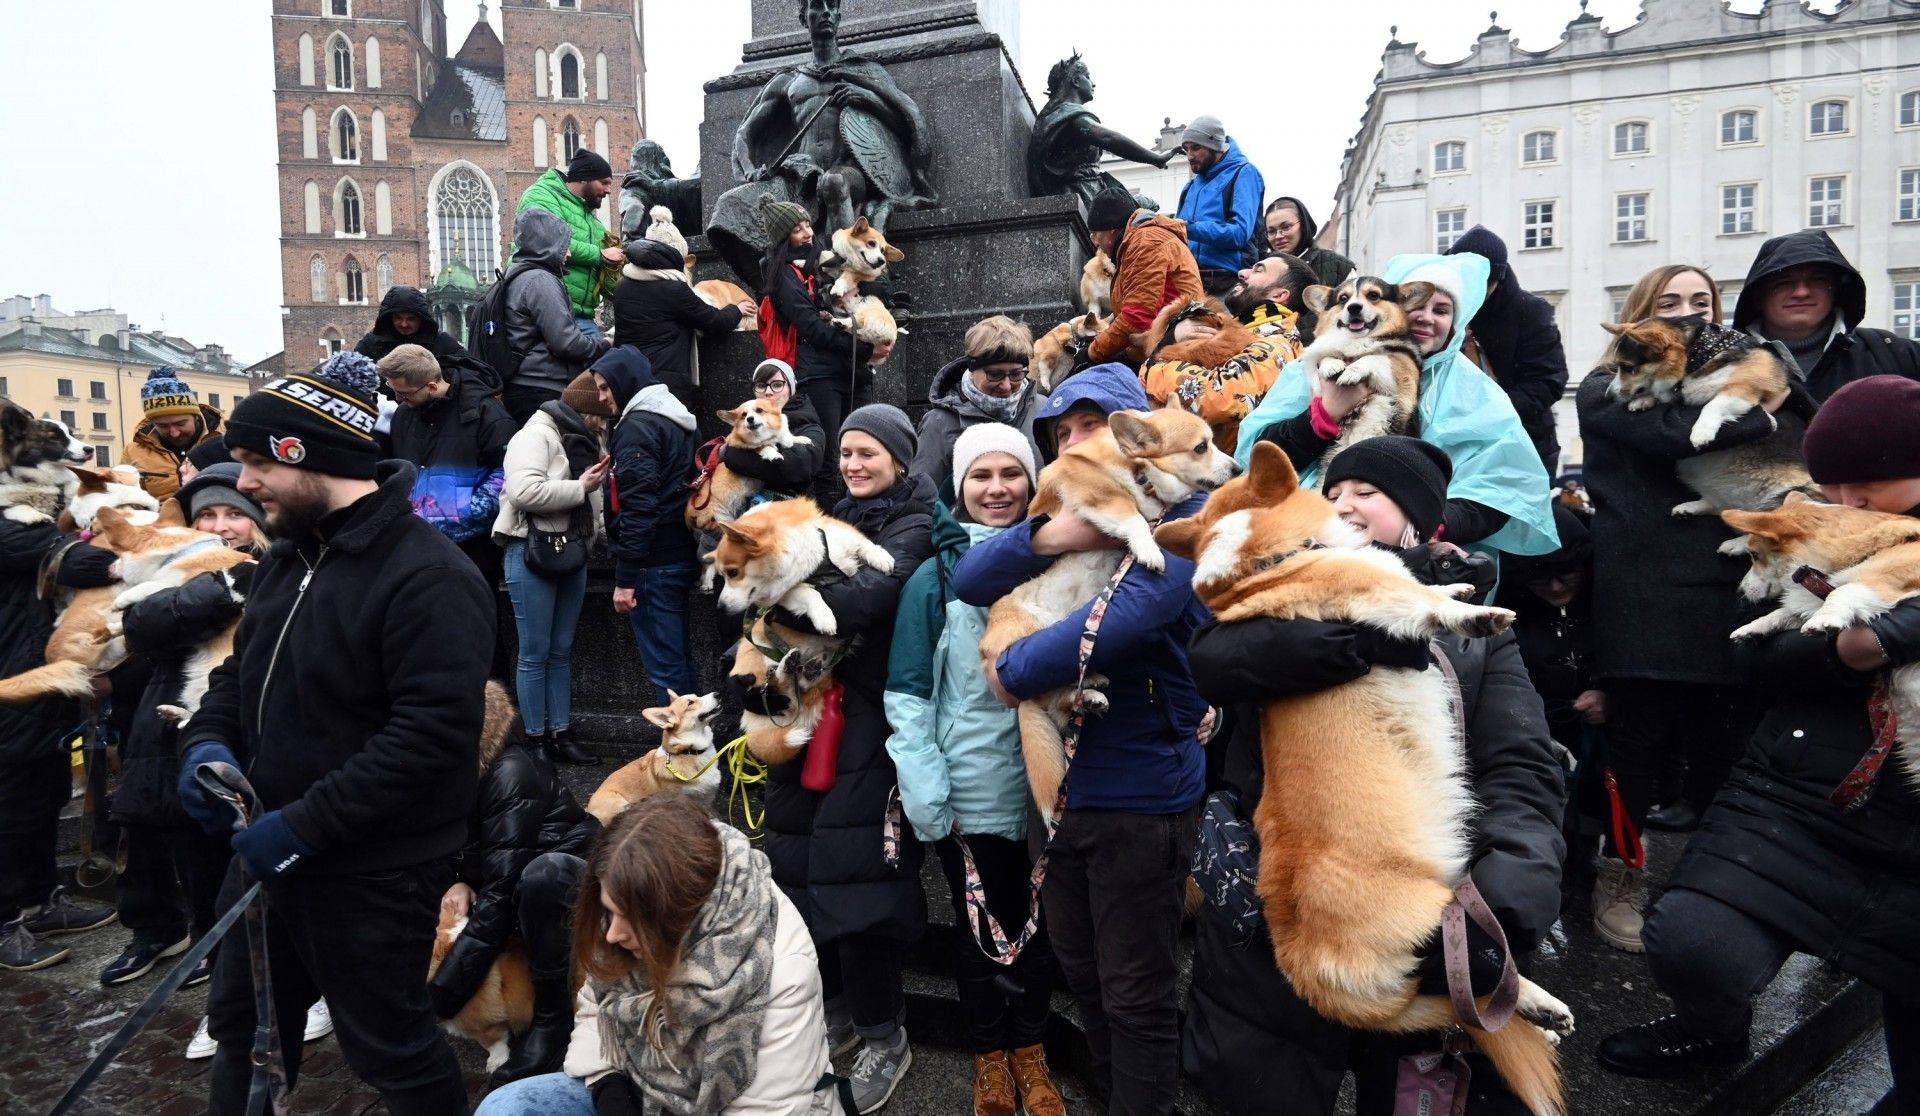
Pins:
<point x="488" y="326"/>
<point x="778" y="340"/>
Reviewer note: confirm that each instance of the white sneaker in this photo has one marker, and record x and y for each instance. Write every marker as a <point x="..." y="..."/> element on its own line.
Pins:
<point x="201" y="1045"/>
<point x="319" y="1022"/>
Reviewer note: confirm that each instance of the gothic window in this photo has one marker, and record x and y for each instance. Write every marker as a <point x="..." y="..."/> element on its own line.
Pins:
<point x="539" y="141"/>
<point x="569" y="76"/>
<point x="339" y="63"/>
<point x="379" y="152"/>
<point x="347" y="213"/>
<point x="569" y="139"/>
<point x="353" y="282"/>
<point x="600" y="76"/>
<point x="317" y="279"/>
<point x="313" y="207"/>
<point x="346" y="137"/>
<point x="600" y="136"/>
<point x="309" y="135"/>
<point x="464" y="221"/>
<point x="382" y="276"/>
<point x="305" y="48"/>
<point x="373" y="62"/>
<point x="382" y="209"/>
<point x="539" y="72"/>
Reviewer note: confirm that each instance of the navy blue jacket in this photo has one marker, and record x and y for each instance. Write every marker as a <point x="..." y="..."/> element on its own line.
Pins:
<point x="652" y="447"/>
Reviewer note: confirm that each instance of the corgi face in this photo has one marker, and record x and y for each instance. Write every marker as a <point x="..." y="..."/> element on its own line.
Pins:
<point x="755" y="423"/>
<point x="1255" y="517"/>
<point x="686" y="721"/>
<point x="1175" y="449"/>
<point x="1056" y="352"/>
<point x="1804" y="532"/>
<point x="1365" y="306"/>
<point x="1648" y="359"/>
<point x="752" y="559"/>
<point x="143" y="548"/>
<point x="865" y="248"/>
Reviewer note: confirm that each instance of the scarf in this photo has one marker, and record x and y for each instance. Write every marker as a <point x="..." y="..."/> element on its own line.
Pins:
<point x="707" y="1057"/>
<point x="579" y="444"/>
<point x="992" y="406"/>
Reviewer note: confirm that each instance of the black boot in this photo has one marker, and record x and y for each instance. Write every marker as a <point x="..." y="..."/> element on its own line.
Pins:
<point x="562" y="746"/>
<point x="1665" y="1048"/>
<point x="544" y="1046"/>
<point x="1678" y="816"/>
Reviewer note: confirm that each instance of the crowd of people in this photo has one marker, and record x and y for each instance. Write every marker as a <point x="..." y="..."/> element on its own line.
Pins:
<point x="679" y="966"/>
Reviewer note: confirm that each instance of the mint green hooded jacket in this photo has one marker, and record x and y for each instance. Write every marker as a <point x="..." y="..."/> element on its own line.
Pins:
<point x="955" y="747"/>
<point x="1462" y="410"/>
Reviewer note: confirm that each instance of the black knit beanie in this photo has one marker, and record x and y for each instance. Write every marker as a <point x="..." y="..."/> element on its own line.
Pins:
<point x="323" y="421"/>
<point x="1413" y="474"/>
<point x="1483" y="241"/>
<point x="210" y="452"/>
<point x="1110" y="210"/>
<point x="1867" y="431"/>
<point x="587" y="165"/>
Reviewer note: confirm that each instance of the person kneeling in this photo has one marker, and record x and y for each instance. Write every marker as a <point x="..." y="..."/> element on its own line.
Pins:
<point x="702" y="989"/>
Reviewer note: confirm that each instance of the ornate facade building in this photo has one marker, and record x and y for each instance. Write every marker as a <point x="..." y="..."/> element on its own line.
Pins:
<point x="1691" y="136"/>
<point x="400" y="163"/>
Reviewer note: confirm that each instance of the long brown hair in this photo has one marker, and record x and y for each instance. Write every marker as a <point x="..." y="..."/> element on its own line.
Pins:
<point x="658" y="863"/>
<point x="1645" y="294"/>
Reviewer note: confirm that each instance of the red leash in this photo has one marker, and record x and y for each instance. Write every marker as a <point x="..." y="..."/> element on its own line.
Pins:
<point x="707" y="457"/>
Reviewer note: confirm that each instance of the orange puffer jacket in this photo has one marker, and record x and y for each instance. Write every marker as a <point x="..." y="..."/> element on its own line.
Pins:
<point x="1152" y="268"/>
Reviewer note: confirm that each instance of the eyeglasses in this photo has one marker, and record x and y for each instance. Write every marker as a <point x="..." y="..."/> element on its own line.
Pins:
<point x="407" y="394"/>
<point x="771" y="387"/>
<point x="1004" y="375"/>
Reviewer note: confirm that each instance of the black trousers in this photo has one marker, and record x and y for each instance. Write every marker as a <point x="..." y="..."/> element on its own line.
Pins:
<point x="860" y="974"/>
<point x="1114" y="893"/>
<point x="544" y="901"/>
<point x="491" y="561"/>
<point x="1649" y="723"/>
<point x="363" y="942"/>
<point x="32" y="793"/>
<point x="1005" y="1006"/>
<point x="171" y="882"/>
<point x="522" y="400"/>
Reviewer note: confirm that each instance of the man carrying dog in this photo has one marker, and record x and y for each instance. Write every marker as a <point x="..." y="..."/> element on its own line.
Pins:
<point x="174" y="422"/>
<point x="1220" y="203"/>
<point x="1152" y="267"/>
<point x="353" y="701"/>
<point x="1113" y="891"/>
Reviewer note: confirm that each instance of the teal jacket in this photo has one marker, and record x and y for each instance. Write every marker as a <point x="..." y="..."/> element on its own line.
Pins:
<point x="585" y="275"/>
<point x="955" y="747"/>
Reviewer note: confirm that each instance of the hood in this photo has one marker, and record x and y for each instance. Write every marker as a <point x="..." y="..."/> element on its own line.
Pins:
<point x="1309" y="228"/>
<point x="951" y="538"/>
<point x="1229" y="159"/>
<point x="626" y="370"/>
<point x="659" y="399"/>
<point x="414" y="301"/>
<point x="1574" y="553"/>
<point x="1110" y="387"/>
<point x="651" y="255"/>
<point x="944" y="392"/>
<point x="1808" y="246"/>
<point x="1463" y="273"/>
<point x="541" y="238"/>
<point x="1143" y="219"/>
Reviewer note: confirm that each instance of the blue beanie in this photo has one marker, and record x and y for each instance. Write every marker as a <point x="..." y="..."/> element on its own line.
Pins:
<point x="166" y="395"/>
<point x="352" y="370"/>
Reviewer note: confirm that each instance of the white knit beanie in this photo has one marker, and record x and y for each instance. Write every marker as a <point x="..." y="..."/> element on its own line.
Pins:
<point x="1440" y="275"/>
<point x="984" y="438"/>
<point x="665" y="231"/>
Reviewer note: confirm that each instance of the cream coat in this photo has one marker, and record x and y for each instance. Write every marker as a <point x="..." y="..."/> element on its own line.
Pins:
<point x="793" y="1036"/>
<point x="539" y="489"/>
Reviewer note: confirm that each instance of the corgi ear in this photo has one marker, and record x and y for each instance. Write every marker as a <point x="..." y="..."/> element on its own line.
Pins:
<point x="1181" y="537"/>
<point x="692" y="261"/>
<point x="90" y="480"/>
<point x="672" y="697"/>
<point x="1133" y="434"/>
<point x="747" y="542"/>
<point x="1750" y="523"/>
<point x="1091" y="322"/>
<point x="1616" y="328"/>
<point x="1414" y="294"/>
<point x="893" y="255"/>
<point x="1316" y="297"/>
<point x="660" y="717"/>
<point x="111" y="523"/>
<point x="729" y="417"/>
<point x="860" y="227"/>
<point x="1796" y="497"/>
<point x="1270" y="474"/>
<point x="171" y="514"/>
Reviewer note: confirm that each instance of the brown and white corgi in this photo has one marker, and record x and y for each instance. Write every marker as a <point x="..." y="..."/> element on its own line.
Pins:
<point x="1872" y="560"/>
<point x="686" y="745"/>
<point x="766" y="556"/>
<point x="1363" y="338"/>
<point x="118" y="487"/>
<point x="722" y="495"/>
<point x="862" y="254"/>
<point x="1143" y="464"/>
<point x="1096" y="285"/>
<point x="1057" y="352"/>
<point x="1726" y="373"/>
<point x="1364" y="814"/>
<point x="501" y="1009"/>
<point x="35" y="481"/>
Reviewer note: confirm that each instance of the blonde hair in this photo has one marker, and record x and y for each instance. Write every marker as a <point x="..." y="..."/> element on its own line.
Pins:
<point x="999" y="340"/>
<point x="1645" y="294"/>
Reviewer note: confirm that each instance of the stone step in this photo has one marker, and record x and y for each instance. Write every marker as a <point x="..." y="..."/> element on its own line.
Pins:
<point x="1852" y="1082"/>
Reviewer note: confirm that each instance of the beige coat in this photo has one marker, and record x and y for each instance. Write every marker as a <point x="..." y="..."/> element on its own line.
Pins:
<point x="539" y="488"/>
<point x="793" y="1036"/>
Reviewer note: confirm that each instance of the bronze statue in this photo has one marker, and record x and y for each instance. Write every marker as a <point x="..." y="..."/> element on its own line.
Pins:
<point x="834" y="134"/>
<point x="648" y="182"/>
<point x="1063" y="154"/>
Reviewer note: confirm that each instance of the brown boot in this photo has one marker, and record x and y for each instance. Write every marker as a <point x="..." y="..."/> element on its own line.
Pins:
<point x="993" y="1085"/>
<point x="1036" y="1085"/>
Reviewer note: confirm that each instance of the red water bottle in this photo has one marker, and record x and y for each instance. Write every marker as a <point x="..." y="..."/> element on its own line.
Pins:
<point x="823" y="751"/>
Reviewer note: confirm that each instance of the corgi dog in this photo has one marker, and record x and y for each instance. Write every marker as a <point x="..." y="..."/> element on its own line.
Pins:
<point x="1726" y="373"/>
<point x="1362" y="338"/>
<point x="1364" y="816"/>
<point x="1229" y="340"/>
<point x="1057" y="352"/>
<point x="721" y="495"/>
<point x="118" y="487"/>
<point x="786" y="672"/>
<point x="1096" y="285"/>
<point x="1142" y="465"/>
<point x="501" y="1009"/>
<point x="686" y="746"/>
<point x="766" y="556"/>
<point x="862" y="254"/>
<point x="35" y="481"/>
<point x="166" y="555"/>
<point x="720" y="293"/>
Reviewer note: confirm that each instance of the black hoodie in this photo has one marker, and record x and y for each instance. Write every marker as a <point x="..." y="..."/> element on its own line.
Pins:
<point x="1855" y="353"/>
<point x="383" y="338"/>
<point x="1329" y="267"/>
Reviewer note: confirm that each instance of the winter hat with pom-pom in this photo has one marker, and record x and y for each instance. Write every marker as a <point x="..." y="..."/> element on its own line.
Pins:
<point x="165" y="395"/>
<point x="664" y="231"/>
<point x="323" y="421"/>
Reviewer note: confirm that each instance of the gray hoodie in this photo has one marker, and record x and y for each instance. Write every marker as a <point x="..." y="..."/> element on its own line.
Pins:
<point x="540" y="323"/>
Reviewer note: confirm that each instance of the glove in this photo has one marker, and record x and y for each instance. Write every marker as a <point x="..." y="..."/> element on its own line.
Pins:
<point x="214" y="816"/>
<point x="270" y="847"/>
<point x="763" y="700"/>
<point x="1380" y="649"/>
<point x="614" y="1095"/>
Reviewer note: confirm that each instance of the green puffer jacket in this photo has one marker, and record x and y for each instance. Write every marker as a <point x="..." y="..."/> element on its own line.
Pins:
<point x="955" y="747"/>
<point x="586" y="274"/>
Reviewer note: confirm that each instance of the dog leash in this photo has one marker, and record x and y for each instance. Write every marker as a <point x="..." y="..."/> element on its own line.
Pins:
<point x="96" y="736"/>
<point x="1853" y="790"/>
<point x="743" y="771"/>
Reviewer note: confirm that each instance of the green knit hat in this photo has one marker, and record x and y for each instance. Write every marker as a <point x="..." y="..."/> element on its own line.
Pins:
<point x="779" y="217"/>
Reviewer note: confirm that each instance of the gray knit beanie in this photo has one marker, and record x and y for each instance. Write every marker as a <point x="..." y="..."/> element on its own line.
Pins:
<point x="779" y="218"/>
<point x="888" y="425"/>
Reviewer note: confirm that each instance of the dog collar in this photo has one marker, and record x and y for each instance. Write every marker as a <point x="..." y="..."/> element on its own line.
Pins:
<point x="1267" y="562"/>
<point x="198" y="547"/>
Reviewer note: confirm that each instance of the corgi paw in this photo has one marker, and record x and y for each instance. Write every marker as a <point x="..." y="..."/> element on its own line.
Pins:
<point x="1149" y="554"/>
<point x="1459" y="590"/>
<point x="1540" y="1008"/>
<point x="799" y="440"/>
<point x="881" y="560"/>
<point x="1093" y="699"/>
<point x="1640" y="403"/>
<point x="173" y="714"/>
<point x="1735" y="547"/>
<point x="1696" y="507"/>
<point x="1484" y="622"/>
<point x="20" y="513"/>
<point x="769" y="453"/>
<point x="1331" y="367"/>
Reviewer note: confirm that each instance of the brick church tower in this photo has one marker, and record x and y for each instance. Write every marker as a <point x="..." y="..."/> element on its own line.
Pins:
<point x="401" y="164"/>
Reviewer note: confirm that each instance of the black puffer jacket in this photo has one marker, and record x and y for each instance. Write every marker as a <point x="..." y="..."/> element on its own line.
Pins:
<point x="826" y="848"/>
<point x="793" y="474"/>
<point x="165" y="630"/>
<point x="1844" y="885"/>
<point x="30" y="731"/>
<point x="1663" y="600"/>
<point x="522" y="811"/>
<point x="656" y="311"/>
<point x="1854" y="354"/>
<point x="822" y="350"/>
<point x="383" y="338"/>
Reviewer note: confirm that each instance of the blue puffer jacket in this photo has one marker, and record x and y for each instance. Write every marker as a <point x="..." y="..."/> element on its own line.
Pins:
<point x="1143" y="755"/>
<point x="1217" y="239"/>
<point x="956" y="748"/>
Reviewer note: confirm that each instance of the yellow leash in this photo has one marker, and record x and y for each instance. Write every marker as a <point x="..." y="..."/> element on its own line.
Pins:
<point x="745" y="771"/>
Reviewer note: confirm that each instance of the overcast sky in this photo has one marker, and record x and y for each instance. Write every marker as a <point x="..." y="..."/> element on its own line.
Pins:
<point x="140" y="149"/>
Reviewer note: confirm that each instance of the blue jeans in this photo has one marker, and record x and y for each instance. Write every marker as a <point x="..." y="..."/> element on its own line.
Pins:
<point x="588" y="326"/>
<point x="659" y="618"/>
<point x="550" y="1094"/>
<point x="545" y="611"/>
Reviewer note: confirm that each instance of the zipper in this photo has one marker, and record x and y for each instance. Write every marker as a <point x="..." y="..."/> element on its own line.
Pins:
<point x="300" y="594"/>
